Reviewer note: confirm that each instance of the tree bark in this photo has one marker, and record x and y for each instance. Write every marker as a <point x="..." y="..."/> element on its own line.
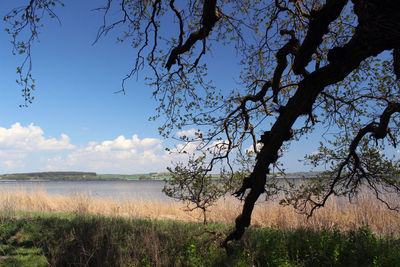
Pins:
<point x="366" y="42"/>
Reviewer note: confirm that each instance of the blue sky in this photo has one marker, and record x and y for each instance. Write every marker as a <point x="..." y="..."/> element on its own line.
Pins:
<point x="76" y="121"/>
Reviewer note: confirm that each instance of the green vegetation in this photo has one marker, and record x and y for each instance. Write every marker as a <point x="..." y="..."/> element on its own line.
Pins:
<point x="82" y="176"/>
<point x="63" y="240"/>
<point x="328" y="67"/>
<point x="193" y="185"/>
<point x="87" y="176"/>
<point x="50" y="176"/>
<point x="125" y="176"/>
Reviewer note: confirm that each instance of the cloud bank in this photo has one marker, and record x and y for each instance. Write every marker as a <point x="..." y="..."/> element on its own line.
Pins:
<point x="25" y="139"/>
<point x="26" y="149"/>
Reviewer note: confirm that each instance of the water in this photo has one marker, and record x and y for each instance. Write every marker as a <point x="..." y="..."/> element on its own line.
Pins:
<point x="119" y="190"/>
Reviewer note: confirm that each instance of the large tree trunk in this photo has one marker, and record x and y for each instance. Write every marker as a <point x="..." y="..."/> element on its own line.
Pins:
<point x="371" y="38"/>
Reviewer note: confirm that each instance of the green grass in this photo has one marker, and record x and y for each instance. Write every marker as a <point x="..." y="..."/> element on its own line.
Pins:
<point x="35" y="239"/>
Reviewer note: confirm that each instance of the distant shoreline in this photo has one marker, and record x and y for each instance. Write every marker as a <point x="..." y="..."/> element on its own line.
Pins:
<point x="81" y="176"/>
<point x="70" y="180"/>
<point x="92" y="176"/>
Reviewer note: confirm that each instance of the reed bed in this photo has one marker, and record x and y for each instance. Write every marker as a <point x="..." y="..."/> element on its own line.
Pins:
<point x="365" y="211"/>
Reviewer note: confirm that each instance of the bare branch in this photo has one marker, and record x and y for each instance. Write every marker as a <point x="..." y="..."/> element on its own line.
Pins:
<point x="290" y="48"/>
<point x="378" y="131"/>
<point x="209" y="18"/>
<point x="319" y="22"/>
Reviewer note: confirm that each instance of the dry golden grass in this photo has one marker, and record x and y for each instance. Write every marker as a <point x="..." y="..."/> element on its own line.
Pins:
<point x="363" y="211"/>
<point x="366" y="211"/>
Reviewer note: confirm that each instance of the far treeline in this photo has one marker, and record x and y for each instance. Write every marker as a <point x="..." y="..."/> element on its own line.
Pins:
<point x="92" y="176"/>
<point x="63" y="176"/>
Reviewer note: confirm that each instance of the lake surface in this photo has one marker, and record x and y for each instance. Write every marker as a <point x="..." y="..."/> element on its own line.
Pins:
<point x="103" y="189"/>
<point x="118" y="190"/>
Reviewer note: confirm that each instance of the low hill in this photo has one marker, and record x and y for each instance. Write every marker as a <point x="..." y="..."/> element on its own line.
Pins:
<point x="82" y="176"/>
<point x="50" y="176"/>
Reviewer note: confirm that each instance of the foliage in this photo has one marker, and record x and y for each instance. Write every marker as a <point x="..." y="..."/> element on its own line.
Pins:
<point x="24" y="24"/>
<point x="192" y="184"/>
<point x="99" y="241"/>
<point x="331" y="65"/>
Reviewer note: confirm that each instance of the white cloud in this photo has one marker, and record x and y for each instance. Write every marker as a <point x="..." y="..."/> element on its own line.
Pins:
<point x="10" y="163"/>
<point x="121" y="155"/>
<point x="19" y="146"/>
<point x="250" y="149"/>
<point x="151" y="142"/>
<point x="217" y="147"/>
<point x="188" y="133"/>
<point x="188" y="147"/>
<point x="123" y="144"/>
<point x="26" y="139"/>
<point x="27" y="149"/>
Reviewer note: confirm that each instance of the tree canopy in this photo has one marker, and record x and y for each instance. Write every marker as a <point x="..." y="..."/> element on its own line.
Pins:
<point x="304" y="65"/>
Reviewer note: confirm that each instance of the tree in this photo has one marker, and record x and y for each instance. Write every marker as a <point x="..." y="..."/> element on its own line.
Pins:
<point x="192" y="184"/>
<point x="324" y="64"/>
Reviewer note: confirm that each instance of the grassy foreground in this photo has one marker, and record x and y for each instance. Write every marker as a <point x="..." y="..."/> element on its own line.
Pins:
<point x="365" y="211"/>
<point x="39" y="239"/>
<point x="37" y="229"/>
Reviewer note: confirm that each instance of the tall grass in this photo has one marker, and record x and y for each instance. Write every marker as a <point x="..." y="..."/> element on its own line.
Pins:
<point x="84" y="240"/>
<point x="365" y="211"/>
